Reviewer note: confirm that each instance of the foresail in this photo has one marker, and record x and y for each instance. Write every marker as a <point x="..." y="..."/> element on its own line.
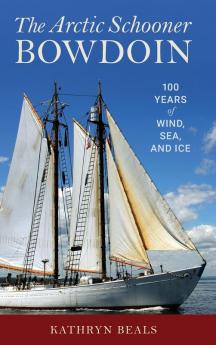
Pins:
<point x="158" y="226"/>
<point x="125" y="242"/>
<point x="83" y="145"/>
<point x="91" y="251"/>
<point x="45" y="242"/>
<point x="18" y="200"/>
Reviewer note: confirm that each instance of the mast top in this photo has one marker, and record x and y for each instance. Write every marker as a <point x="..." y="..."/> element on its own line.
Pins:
<point x="100" y="106"/>
<point x="55" y="88"/>
<point x="99" y="88"/>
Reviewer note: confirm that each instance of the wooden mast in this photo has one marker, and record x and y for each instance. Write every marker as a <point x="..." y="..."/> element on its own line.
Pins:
<point x="56" y="187"/>
<point x="100" y="135"/>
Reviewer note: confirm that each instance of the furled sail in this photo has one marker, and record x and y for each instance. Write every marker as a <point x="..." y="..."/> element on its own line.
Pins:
<point x="158" y="226"/>
<point x="90" y="260"/>
<point x="18" y="200"/>
<point x="125" y="242"/>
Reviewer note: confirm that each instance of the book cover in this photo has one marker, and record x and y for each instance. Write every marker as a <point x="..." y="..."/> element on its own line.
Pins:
<point x="127" y="90"/>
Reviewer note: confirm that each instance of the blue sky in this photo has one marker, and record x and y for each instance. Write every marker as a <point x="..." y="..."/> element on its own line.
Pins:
<point x="188" y="179"/>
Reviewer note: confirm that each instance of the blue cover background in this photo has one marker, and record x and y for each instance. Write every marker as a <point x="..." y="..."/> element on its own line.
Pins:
<point x="128" y="89"/>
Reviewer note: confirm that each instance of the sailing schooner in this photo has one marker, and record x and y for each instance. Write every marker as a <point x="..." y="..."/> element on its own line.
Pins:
<point x="139" y="220"/>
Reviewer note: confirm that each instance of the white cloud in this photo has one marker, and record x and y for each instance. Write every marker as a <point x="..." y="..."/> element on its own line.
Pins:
<point x="193" y="130"/>
<point x="204" y="236"/>
<point x="187" y="197"/>
<point x="3" y="159"/>
<point x="206" y="166"/>
<point x="209" y="139"/>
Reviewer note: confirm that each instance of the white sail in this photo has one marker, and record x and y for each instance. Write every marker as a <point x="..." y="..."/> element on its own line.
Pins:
<point x="125" y="242"/>
<point x="90" y="258"/>
<point x="158" y="226"/>
<point x="18" y="200"/>
<point x="45" y="242"/>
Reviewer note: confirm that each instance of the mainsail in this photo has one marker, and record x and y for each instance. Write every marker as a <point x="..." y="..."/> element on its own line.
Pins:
<point x="90" y="260"/>
<point x="126" y="244"/>
<point x="16" y="210"/>
<point x="158" y="227"/>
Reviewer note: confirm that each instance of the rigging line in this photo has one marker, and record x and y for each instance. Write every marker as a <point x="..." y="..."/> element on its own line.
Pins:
<point x="46" y="115"/>
<point x="110" y="267"/>
<point x="69" y="154"/>
<point x="104" y="104"/>
<point x="81" y="181"/>
<point x="43" y="103"/>
<point x="106" y="202"/>
<point x="61" y="246"/>
<point x="69" y="146"/>
<point x="64" y="203"/>
<point x="70" y="254"/>
<point x="76" y="95"/>
<point x="86" y="115"/>
<point x="82" y="225"/>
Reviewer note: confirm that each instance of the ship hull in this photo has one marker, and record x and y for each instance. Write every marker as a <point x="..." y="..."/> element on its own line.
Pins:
<point x="168" y="289"/>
